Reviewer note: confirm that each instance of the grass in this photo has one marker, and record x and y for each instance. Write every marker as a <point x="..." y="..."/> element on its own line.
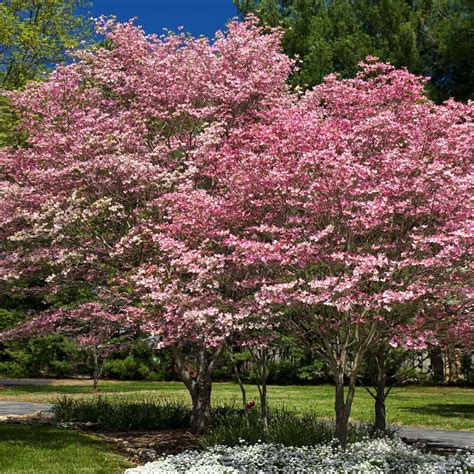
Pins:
<point x="441" y="407"/>
<point x="37" y="449"/>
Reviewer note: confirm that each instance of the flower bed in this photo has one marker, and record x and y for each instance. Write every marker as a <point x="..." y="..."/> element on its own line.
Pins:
<point x="382" y="455"/>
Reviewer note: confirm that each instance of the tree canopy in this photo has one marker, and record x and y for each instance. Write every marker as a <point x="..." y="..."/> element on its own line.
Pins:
<point x="429" y="37"/>
<point x="34" y="35"/>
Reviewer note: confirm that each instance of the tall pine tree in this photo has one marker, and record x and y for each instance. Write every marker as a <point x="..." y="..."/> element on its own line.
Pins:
<point x="431" y="37"/>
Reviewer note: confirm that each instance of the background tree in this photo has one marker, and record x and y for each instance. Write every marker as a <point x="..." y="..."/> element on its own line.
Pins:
<point x="447" y="49"/>
<point x="34" y="36"/>
<point x="98" y="330"/>
<point x="430" y="37"/>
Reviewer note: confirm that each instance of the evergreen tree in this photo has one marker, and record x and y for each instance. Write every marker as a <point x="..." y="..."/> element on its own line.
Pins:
<point x="430" y="37"/>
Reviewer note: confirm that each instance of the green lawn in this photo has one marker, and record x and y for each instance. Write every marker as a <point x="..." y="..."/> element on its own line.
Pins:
<point x="442" y="407"/>
<point x="37" y="449"/>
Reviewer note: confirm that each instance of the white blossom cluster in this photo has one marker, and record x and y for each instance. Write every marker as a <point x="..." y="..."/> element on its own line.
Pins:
<point x="381" y="455"/>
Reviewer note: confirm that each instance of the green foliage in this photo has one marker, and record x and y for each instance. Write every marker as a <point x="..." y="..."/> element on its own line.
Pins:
<point x="399" y="367"/>
<point x="290" y="371"/>
<point x="34" y="35"/>
<point x="8" y="123"/>
<point x="431" y="37"/>
<point x="123" y="415"/>
<point x="451" y="29"/>
<point x="9" y="317"/>
<point x="230" y="426"/>
<point x="129" y="368"/>
<point x="291" y="364"/>
<point x="141" y="363"/>
<point x="50" y="356"/>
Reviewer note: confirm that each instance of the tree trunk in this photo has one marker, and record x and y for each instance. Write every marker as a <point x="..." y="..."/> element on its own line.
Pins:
<point x="339" y="362"/>
<point x="261" y="361"/>
<point x="201" y="398"/>
<point x="437" y="365"/>
<point x="343" y="402"/>
<point x="342" y="408"/>
<point x="453" y="364"/>
<point x="97" y="371"/>
<point x="199" y="384"/>
<point x="380" y="417"/>
<point x="241" y="385"/>
<point x="264" y="406"/>
<point x="380" y="395"/>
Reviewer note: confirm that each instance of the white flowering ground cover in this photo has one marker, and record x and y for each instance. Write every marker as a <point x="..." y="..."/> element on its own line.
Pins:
<point x="381" y="455"/>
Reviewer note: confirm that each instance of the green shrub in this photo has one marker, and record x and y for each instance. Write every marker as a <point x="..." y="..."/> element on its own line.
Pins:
<point x="129" y="368"/>
<point x="230" y="427"/>
<point x="48" y="356"/>
<point x="294" y="372"/>
<point x="140" y="362"/>
<point x="114" y="414"/>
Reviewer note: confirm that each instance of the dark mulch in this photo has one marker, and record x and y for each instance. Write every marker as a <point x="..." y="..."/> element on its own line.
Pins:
<point x="145" y="446"/>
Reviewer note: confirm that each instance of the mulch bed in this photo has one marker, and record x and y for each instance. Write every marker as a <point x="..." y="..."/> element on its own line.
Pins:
<point x="145" y="446"/>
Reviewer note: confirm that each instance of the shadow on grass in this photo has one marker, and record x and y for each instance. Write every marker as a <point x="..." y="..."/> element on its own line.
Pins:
<point x="448" y="410"/>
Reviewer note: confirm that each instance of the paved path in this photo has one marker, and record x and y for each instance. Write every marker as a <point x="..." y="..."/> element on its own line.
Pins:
<point x="438" y="438"/>
<point x="22" y="408"/>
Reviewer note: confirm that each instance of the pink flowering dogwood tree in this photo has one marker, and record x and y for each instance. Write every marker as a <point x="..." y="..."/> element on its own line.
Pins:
<point x="112" y="141"/>
<point x="346" y="213"/>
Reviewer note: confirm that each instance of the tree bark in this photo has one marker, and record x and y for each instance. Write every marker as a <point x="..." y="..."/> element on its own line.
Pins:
<point x="241" y="385"/>
<point x="97" y="371"/>
<point x="199" y="385"/>
<point x="201" y="398"/>
<point x="261" y="361"/>
<point x="343" y="352"/>
<point x="342" y="407"/>
<point x="380" y="395"/>
<point x="339" y="362"/>
<point x="380" y="415"/>
<point x="264" y="406"/>
<point x="238" y="377"/>
<point x="437" y="365"/>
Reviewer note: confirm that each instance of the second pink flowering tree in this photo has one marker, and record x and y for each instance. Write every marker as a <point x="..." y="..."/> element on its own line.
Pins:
<point x="346" y="215"/>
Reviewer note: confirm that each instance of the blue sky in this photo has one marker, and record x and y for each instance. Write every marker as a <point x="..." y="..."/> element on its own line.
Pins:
<point x="197" y="16"/>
